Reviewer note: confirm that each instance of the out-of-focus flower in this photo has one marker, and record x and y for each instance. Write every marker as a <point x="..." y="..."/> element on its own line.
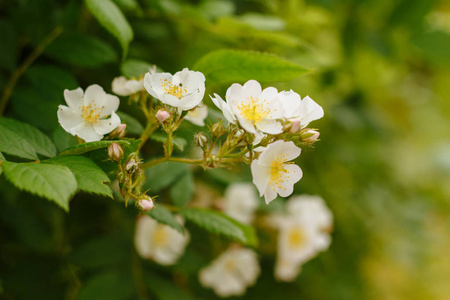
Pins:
<point x="254" y="108"/>
<point x="232" y="272"/>
<point x="125" y="87"/>
<point x="159" y="242"/>
<point x="198" y="115"/>
<point x="299" y="111"/>
<point x="162" y="115"/>
<point x="273" y="173"/>
<point x="184" y="90"/>
<point x="89" y="115"/>
<point x="241" y="202"/>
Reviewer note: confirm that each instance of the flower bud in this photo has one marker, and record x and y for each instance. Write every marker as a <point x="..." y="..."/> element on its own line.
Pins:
<point x="162" y="115"/>
<point x="295" y="125"/>
<point x="200" y="139"/>
<point x="310" y="136"/>
<point x="119" y="132"/>
<point x="217" y="129"/>
<point x="145" y="203"/>
<point x="131" y="166"/>
<point x="115" y="152"/>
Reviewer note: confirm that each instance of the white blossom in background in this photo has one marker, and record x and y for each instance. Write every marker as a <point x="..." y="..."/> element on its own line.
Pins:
<point x="125" y="87"/>
<point x="198" y="115"/>
<point x="303" y="232"/>
<point x="241" y="202"/>
<point x="184" y="90"/>
<point x="89" y="115"/>
<point x="159" y="242"/>
<point x="273" y="173"/>
<point x="232" y="272"/>
<point x="299" y="111"/>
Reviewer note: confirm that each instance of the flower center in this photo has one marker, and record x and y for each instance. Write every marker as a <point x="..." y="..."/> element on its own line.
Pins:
<point x="254" y="110"/>
<point x="159" y="236"/>
<point x="296" y="238"/>
<point x="91" y="113"/>
<point x="230" y="265"/>
<point x="278" y="172"/>
<point x="173" y="89"/>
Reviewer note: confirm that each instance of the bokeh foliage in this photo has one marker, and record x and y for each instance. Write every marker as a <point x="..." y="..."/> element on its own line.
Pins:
<point x="381" y="72"/>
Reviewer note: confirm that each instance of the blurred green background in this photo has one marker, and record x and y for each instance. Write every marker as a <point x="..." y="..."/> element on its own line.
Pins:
<point x="382" y="75"/>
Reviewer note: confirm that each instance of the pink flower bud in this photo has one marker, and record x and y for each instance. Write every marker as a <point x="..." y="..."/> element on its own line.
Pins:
<point x="146" y="203"/>
<point x="310" y="136"/>
<point x="162" y="115"/>
<point x="295" y="125"/>
<point x="119" y="132"/>
<point x="115" y="152"/>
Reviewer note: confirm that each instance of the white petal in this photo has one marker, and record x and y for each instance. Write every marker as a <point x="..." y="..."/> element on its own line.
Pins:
<point x="309" y="111"/>
<point x="270" y="126"/>
<point x="69" y="118"/>
<point x="134" y="86"/>
<point x="143" y="232"/>
<point x="149" y="86"/>
<point x="260" y="176"/>
<point x="224" y="107"/>
<point x="246" y="124"/>
<point x="106" y="126"/>
<point x="291" y="102"/>
<point x="293" y="175"/>
<point x="110" y="104"/>
<point x="87" y="132"/>
<point x="198" y="115"/>
<point x="234" y="93"/>
<point x="253" y="87"/>
<point x="118" y="86"/>
<point x="192" y="100"/>
<point x="269" y="194"/>
<point x="94" y="94"/>
<point x="74" y="98"/>
<point x="191" y="80"/>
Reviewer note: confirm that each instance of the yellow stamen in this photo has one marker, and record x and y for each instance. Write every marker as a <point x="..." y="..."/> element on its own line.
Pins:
<point x="254" y="110"/>
<point x="91" y="113"/>
<point x="160" y="236"/>
<point x="296" y="238"/>
<point x="278" y="172"/>
<point x="173" y="89"/>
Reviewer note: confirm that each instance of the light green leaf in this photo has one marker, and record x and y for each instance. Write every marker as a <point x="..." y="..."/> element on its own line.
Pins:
<point x="133" y="125"/>
<point x="86" y="147"/>
<point x="225" y="66"/>
<point x="41" y="143"/>
<point x="164" y="216"/>
<point x="128" y="5"/>
<point x="81" y="50"/>
<point x="135" y="68"/>
<point x="219" y="223"/>
<point x="13" y="144"/>
<point x="53" y="182"/>
<point x="183" y="190"/>
<point x="162" y="175"/>
<point x="109" y="16"/>
<point x="90" y="178"/>
<point x="2" y="157"/>
<point x="180" y="143"/>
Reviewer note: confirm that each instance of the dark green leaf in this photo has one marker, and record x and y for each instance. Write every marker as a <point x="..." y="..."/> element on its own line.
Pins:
<point x="183" y="190"/>
<point x="135" y="68"/>
<point x="8" y="44"/>
<point x="162" y="175"/>
<point x="86" y="147"/>
<point x="53" y="182"/>
<point x="107" y="286"/>
<point x="165" y="289"/>
<point x="63" y="139"/>
<point x="180" y="143"/>
<point x="13" y="144"/>
<point x="90" y="178"/>
<point x="41" y="143"/>
<point x="164" y="216"/>
<point x="109" y="16"/>
<point x="133" y="125"/>
<point x="225" y="66"/>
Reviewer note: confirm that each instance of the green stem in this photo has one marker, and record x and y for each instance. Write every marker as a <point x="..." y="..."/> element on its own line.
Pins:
<point x="138" y="276"/>
<point x="174" y="159"/>
<point x="25" y="65"/>
<point x="149" y="129"/>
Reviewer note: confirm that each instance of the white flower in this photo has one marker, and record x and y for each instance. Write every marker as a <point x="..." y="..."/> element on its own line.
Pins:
<point x="273" y="174"/>
<point x="300" y="111"/>
<point x="198" y="115"/>
<point x="124" y="87"/>
<point x="254" y="108"/>
<point x="286" y="270"/>
<point x="159" y="242"/>
<point x="87" y="115"/>
<point x="184" y="90"/>
<point x="241" y="202"/>
<point x="231" y="273"/>
<point x="224" y="107"/>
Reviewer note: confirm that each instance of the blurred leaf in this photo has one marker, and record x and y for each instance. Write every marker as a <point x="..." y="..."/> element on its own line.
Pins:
<point x="435" y="46"/>
<point x="183" y="190"/>
<point x="164" y="216"/>
<point x="216" y="8"/>
<point x="81" y="50"/>
<point x="224" y="66"/>
<point x="263" y="22"/>
<point x="107" y="286"/>
<point x="162" y="175"/>
<point x="179" y="142"/>
<point x="63" y="139"/>
<point x="90" y="178"/>
<point x="41" y="143"/>
<point x="135" y="68"/>
<point x="128" y="5"/>
<point x="165" y="289"/>
<point x="86" y="147"/>
<point x="2" y="158"/>
<point x="109" y="16"/>
<point x="53" y="182"/>
<point x="219" y="223"/>
<point x="8" y="45"/>
<point x="133" y="125"/>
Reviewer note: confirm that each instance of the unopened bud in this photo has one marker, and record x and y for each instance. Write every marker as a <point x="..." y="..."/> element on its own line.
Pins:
<point x="115" y="152"/>
<point x="310" y="136"/>
<point x="131" y="166"/>
<point x="162" y="115"/>
<point x="145" y="203"/>
<point x="200" y="139"/>
<point x="119" y="132"/>
<point x="295" y="125"/>
<point x="217" y="129"/>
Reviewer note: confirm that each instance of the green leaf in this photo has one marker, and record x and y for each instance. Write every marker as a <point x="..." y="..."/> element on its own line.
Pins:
<point x="109" y="16"/>
<point x="41" y="143"/>
<point x="13" y="144"/>
<point x="8" y="45"/>
<point x="53" y="182"/>
<point x="90" y="178"/>
<point x="162" y="175"/>
<point x="164" y="216"/>
<point x="106" y="286"/>
<point x="183" y="190"/>
<point x="133" y="125"/>
<point x="63" y="139"/>
<point x="180" y="143"/>
<point x="81" y="50"/>
<point x="219" y="223"/>
<point x="86" y="147"/>
<point x="225" y="66"/>
<point x="135" y="68"/>
<point x="2" y="157"/>
<point x="164" y="289"/>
